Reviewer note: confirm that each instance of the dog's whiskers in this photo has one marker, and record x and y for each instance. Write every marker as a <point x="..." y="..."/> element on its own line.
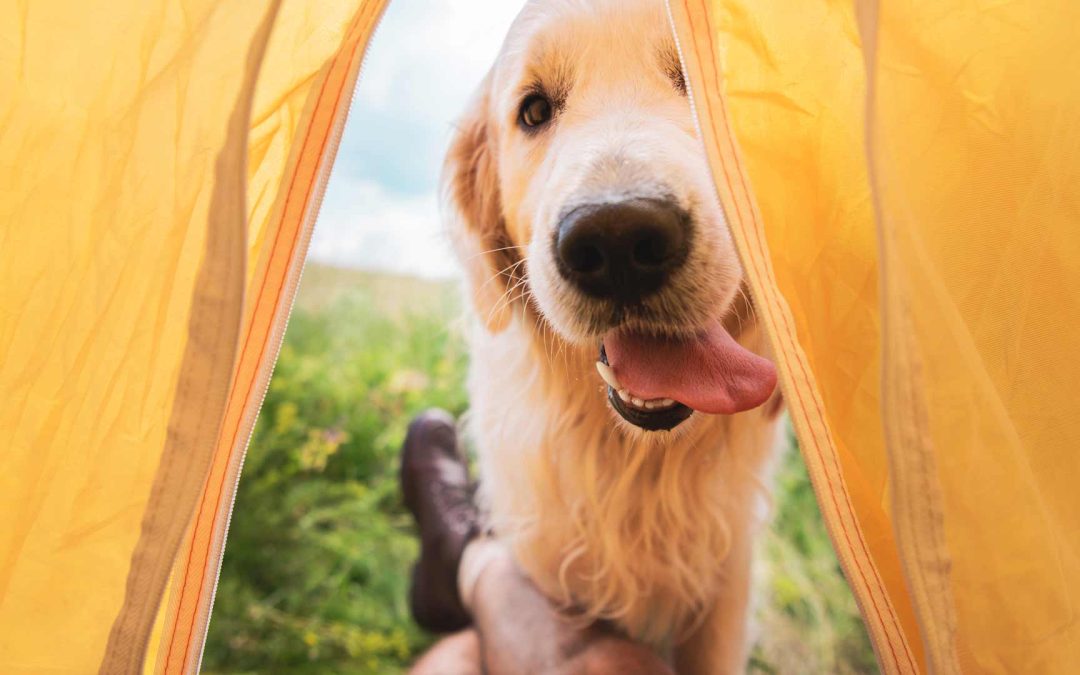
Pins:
<point x="508" y="271"/>
<point x="507" y="297"/>
<point x="746" y="298"/>
<point x="494" y="250"/>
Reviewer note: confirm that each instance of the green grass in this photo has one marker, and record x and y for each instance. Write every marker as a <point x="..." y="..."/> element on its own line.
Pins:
<point x="316" y="567"/>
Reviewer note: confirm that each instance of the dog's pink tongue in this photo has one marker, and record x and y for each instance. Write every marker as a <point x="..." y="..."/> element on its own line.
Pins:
<point x="710" y="373"/>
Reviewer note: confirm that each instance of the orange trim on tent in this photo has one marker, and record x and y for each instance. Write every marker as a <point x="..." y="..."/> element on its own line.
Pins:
<point x="266" y="312"/>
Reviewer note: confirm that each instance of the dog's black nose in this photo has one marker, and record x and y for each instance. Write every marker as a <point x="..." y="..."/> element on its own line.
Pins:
<point x="622" y="250"/>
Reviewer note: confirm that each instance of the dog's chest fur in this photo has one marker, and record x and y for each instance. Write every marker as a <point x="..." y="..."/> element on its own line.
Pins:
<point x="609" y="521"/>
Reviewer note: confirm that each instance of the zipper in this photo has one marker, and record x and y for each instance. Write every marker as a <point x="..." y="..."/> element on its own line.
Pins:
<point x="281" y="322"/>
<point x="845" y="565"/>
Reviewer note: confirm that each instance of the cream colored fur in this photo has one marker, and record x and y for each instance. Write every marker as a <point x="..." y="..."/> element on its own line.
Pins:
<point x="651" y="530"/>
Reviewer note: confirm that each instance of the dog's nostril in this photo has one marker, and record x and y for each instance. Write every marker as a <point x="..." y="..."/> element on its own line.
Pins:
<point x="650" y="251"/>
<point x="585" y="258"/>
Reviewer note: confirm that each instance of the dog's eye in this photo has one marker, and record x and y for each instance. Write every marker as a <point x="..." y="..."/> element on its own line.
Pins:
<point x="535" y="111"/>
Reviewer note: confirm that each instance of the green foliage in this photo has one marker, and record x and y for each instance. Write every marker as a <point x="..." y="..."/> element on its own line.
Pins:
<point x="316" y="568"/>
<point x="320" y="548"/>
<point x="809" y="622"/>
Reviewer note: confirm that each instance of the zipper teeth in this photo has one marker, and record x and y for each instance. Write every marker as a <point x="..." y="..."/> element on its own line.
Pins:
<point x="252" y="415"/>
<point x="845" y="565"/>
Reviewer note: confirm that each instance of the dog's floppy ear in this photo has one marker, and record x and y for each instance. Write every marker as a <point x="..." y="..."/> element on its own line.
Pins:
<point x="471" y="193"/>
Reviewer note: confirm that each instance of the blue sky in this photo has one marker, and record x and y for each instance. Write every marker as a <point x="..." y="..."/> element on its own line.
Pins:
<point x="381" y="207"/>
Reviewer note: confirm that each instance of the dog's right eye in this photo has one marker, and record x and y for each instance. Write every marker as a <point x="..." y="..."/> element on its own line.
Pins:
<point x="535" y="111"/>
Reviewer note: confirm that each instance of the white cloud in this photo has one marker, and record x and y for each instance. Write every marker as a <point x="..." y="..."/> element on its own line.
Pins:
<point x="371" y="228"/>
<point x="426" y="59"/>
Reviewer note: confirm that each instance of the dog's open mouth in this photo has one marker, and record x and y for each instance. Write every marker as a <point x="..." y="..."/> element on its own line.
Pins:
<point x="658" y="414"/>
<point x="657" y="382"/>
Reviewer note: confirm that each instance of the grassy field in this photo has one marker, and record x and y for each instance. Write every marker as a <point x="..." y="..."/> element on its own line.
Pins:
<point x="316" y="568"/>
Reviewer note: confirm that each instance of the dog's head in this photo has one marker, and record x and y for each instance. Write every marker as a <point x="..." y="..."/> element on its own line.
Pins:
<point x="580" y="188"/>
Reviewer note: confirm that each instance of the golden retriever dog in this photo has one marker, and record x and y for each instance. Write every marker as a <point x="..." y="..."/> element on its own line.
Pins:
<point x="622" y="411"/>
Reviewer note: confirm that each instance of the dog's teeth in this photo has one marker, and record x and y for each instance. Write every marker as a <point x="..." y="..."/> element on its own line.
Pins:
<point x="659" y="403"/>
<point x="608" y="375"/>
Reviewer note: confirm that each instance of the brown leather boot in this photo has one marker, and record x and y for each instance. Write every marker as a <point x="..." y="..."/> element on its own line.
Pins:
<point x="435" y="486"/>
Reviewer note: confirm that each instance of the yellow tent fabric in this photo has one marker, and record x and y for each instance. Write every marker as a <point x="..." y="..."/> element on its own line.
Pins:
<point x="975" y="147"/>
<point x="901" y="181"/>
<point x="161" y="165"/>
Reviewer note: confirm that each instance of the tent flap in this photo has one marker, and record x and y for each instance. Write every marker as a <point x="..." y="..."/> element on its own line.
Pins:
<point x="781" y="118"/>
<point x="161" y="167"/>
<point x="902" y="184"/>
<point x="294" y="140"/>
<point x="975" y="145"/>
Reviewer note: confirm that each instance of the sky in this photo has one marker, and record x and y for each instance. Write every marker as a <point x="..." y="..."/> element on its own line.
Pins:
<point x="381" y="208"/>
